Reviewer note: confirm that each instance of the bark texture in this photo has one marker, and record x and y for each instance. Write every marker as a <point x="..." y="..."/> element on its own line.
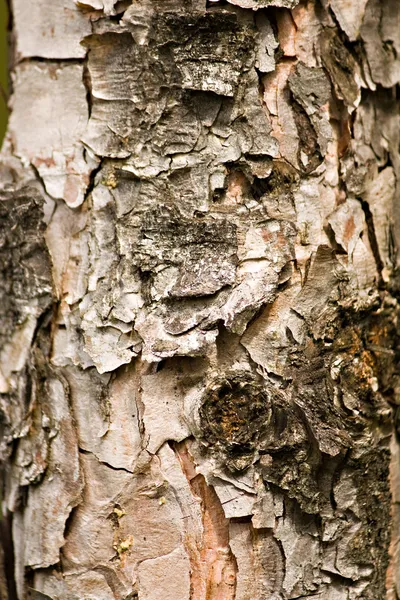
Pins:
<point x="199" y="364"/>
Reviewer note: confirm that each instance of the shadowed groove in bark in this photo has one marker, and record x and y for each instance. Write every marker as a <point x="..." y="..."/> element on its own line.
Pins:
<point x="7" y="585"/>
<point x="372" y="238"/>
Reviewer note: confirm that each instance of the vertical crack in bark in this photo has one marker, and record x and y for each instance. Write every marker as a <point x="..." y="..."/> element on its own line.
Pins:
<point x="87" y="82"/>
<point x="372" y="238"/>
<point x="214" y="568"/>
<point x="7" y="582"/>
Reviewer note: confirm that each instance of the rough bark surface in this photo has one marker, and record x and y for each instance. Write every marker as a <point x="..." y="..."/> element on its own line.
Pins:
<point x="199" y="222"/>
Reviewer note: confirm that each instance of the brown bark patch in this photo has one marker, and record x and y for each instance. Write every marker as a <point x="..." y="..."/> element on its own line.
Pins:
<point x="213" y="574"/>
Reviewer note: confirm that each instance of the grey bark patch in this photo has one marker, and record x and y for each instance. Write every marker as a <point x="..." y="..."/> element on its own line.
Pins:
<point x="212" y="58"/>
<point x="149" y="98"/>
<point x="381" y="37"/>
<point x="310" y="87"/>
<point x="266" y="44"/>
<point x="62" y="486"/>
<point x="25" y="261"/>
<point x="342" y="68"/>
<point x="205" y="252"/>
<point x="321" y="277"/>
<point x="350" y="16"/>
<point x="25" y="280"/>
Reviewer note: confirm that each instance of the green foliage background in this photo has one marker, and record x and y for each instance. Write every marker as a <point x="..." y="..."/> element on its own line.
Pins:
<point x="3" y="68"/>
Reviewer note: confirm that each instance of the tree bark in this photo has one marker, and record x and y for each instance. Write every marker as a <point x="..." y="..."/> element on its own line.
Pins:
<point x="199" y="223"/>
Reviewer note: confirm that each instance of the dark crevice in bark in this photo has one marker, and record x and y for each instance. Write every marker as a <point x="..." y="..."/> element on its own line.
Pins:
<point x="393" y="252"/>
<point x="6" y="28"/>
<point x="52" y="61"/>
<point x="87" y="82"/>
<point x="386" y="163"/>
<point x="10" y="23"/>
<point x="11" y="56"/>
<point x="44" y="322"/>
<point x="120" y="7"/>
<point x="373" y="239"/>
<point x="338" y="578"/>
<point x="7" y="554"/>
<point x="83" y="451"/>
<point x="161" y="365"/>
<point x="92" y="179"/>
<point x="259" y="187"/>
<point x="214" y="3"/>
<point x="351" y="46"/>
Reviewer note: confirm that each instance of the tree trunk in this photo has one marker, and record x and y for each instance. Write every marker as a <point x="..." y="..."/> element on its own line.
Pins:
<point x="199" y="373"/>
